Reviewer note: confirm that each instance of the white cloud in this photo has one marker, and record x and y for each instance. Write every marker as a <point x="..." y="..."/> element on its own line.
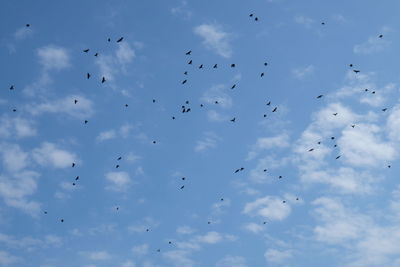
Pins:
<point x="53" y="57"/>
<point x="218" y="93"/>
<point x="106" y="135"/>
<point x="49" y="155"/>
<point x="215" y="38"/>
<point x="300" y="73"/>
<point x="179" y="258"/>
<point x="123" y="132"/>
<point x="128" y="263"/>
<point x="182" y="10"/>
<point x="374" y="44"/>
<point x="6" y="259"/>
<point x="208" y="141"/>
<point x="265" y="143"/>
<point x="185" y="230"/>
<point x="98" y="255"/>
<point x="210" y="238"/>
<point x="16" y="127"/>
<point x="140" y="250"/>
<point x="254" y="228"/>
<point x="277" y="256"/>
<point x="269" y="207"/>
<point x="231" y="261"/>
<point x="303" y="20"/>
<point x="118" y="181"/>
<point x="82" y="109"/>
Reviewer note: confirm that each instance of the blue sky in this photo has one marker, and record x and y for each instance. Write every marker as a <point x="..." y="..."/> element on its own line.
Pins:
<point x="337" y="202"/>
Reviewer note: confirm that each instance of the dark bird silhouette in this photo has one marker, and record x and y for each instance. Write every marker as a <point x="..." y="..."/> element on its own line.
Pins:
<point x="182" y="186"/>
<point x="350" y="65"/>
<point x="86" y="50"/>
<point x="311" y="149"/>
<point x="216" y="102"/>
<point x="335" y="114"/>
<point x="322" y="23"/>
<point x="188" y="52"/>
<point x="201" y="105"/>
<point x="75" y="101"/>
<point x="352" y="126"/>
<point x="117" y="166"/>
<point x="96" y="54"/>
<point x="265" y="115"/>
<point x="380" y="36"/>
<point x="233" y="86"/>
<point x="265" y="64"/>
<point x="269" y="103"/>
<point x="265" y="170"/>
<point x="173" y="117"/>
<point x="45" y="212"/>
<point x="86" y="121"/>
<point x="365" y="90"/>
<point x="262" y="74"/>
<point x="201" y="66"/>
<point x="320" y="96"/>
<point x="88" y="75"/>
<point x="126" y="105"/>
<point x="12" y="87"/>
<point x="251" y="15"/>
<point x="27" y="25"/>
<point x="233" y="65"/>
<point x="73" y="164"/>
<point x="275" y="109"/>
<point x="256" y="19"/>
<point x="14" y="110"/>
<point x="62" y="220"/>
<point x="337" y="157"/>
<point x="187" y="102"/>
<point x="373" y="92"/>
<point x="109" y="39"/>
<point x="184" y="81"/>
<point x="185" y="73"/>
<point x="190" y="62"/>
<point x="215" y="66"/>
<point x="389" y="166"/>
<point x="76" y="178"/>
<point x="332" y="138"/>
<point x="154" y="101"/>
<point x="119" y="158"/>
<point x="280" y="177"/>
<point x="384" y="109"/>
<point x="154" y="142"/>
<point x="103" y="80"/>
<point x="120" y="39"/>
<point x="183" y="178"/>
<point x="356" y="71"/>
<point x="233" y="120"/>
<point x="73" y="184"/>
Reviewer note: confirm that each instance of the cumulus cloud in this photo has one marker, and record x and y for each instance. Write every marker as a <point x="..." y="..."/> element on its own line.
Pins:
<point x="300" y="73"/>
<point x="374" y="44"/>
<point x="49" y="154"/>
<point x="231" y="261"/>
<point x="269" y="207"/>
<point x="53" y="57"/>
<point x="215" y="38"/>
<point x="118" y="181"/>
<point x="208" y="141"/>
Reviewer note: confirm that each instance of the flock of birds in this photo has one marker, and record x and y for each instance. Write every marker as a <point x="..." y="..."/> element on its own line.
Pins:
<point x="185" y="109"/>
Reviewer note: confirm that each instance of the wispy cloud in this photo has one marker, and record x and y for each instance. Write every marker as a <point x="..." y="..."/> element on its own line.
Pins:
<point x="301" y="73"/>
<point x="215" y="38"/>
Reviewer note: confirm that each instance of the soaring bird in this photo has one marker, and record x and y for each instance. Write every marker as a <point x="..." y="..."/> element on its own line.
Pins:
<point x="380" y="36"/>
<point x="233" y="86"/>
<point x="119" y="158"/>
<point x="262" y="74"/>
<point x="190" y="62"/>
<point x="184" y="81"/>
<point x="233" y="120"/>
<point x="201" y="66"/>
<point x="269" y="103"/>
<point x="335" y="114"/>
<point x="189" y="52"/>
<point x="103" y="80"/>
<point x="274" y="110"/>
<point x="77" y="178"/>
<point x="185" y="73"/>
<point x="96" y="54"/>
<point x="251" y="15"/>
<point x="265" y="64"/>
<point x="182" y="186"/>
<point x="320" y="96"/>
<point x="75" y="101"/>
<point x="120" y="39"/>
<point x="73" y="164"/>
<point x="88" y="75"/>
<point x="356" y="71"/>
<point x="350" y="65"/>
<point x="384" y="109"/>
<point x="86" y="50"/>
<point x="215" y="66"/>
<point x="311" y="149"/>
<point x="337" y="157"/>
<point x="27" y="25"/>
<point x="233" y="65"/>
<point x="12" y="87"/>
<point x="256" y="19"/>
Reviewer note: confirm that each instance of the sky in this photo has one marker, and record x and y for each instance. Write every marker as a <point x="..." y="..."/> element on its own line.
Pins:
<point x="289" y="157"/>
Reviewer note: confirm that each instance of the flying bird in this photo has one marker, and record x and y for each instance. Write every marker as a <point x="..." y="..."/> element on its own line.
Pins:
<point x="88" y="75"/>
<point x="384" y="109"/>
<point x="274" y="110"/>
<point x="233" y="65"/>
<point x="320" y="96"/>
<point x="119" y="158"/>
<point x="120" y="39"/>
<point x="96" y="54"/>
<point x="262" y="74"/>
<point x="12" y="87"/>
<point x="190" y="62"/>
<point x="73" y="164"/>
<point x="380" y="36"/>
<point x="337" y="157"/>
<point x="233" y="86"/>
<point x="356" y="71"/>
<point x="103" y="80"/>
<point x="75" y="101"/>
<point x="86" y="50"/>
<point x="233" y="120"/>
<point x="184" y="81"/>
<point x="188" y="52"/>
<point x="201" y="66"/>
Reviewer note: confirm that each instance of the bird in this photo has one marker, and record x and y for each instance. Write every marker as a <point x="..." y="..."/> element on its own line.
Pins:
<point x="86" y="121"/>
<point x="62" y="220"/>
<point x="265" y="64"/>
<point x="265" y="170"/>
<point x="262" y="74"/>
<point x="215" y="66"/>
<point x="216" y="102"/>
<point x="188" y="52"/>
<point x="269" y="103"/>
<point x="12" y="87"/>
<point x="251" y="15"/>
<point x="75" y="101"/>
<point x="233" y="65"/>
<point x="190" y="62"/>
<point x="184" y="81"/>
<point x="280" y="177"/>
<point x="182" y="186"/>
<point x="86" y="50"/>
<point x="201" y="66"/>
<point x="335" y="114"/>
<point x="320" y="96"/>
<point x="350" y="65"/>
<point x="380" y="36"/>
<point x="187" y="102"/>
<point x="117" y="166"/>
<point x="154" y="101"/>
<point x="365" y="90"/>
<point x="256" y="19"/>
<point x="233" y="86"/>
<point x="274" y="110"/>
<point x="73" y="184"/>
<point x="322" y="23"/>
<point x="77" y="178"/>
<point x="265" y="115"/>
<point x="45" y="212"/>
<point x="96" y="54"/>
<point x="154" y="142"/>
<point x="73" y="164"/>
<point x="109" y="39"/>
<point x="126" y="105"/>
<point x="384" y="109"/>
<point x="332" y="138"/>
<point x="233" y="120"/>
<point x="337" y="157"/>
<point x="14" y="110"/>
<point x="201" y="105"/>
<point x="119" y="158"/>
<point x="356" y="71"/>
<point x="185" y="73"/>
<point x="120" y="39"/>
<point x="173" y="117"/>
<point x="183" y="178"/>
<point x="353" y="125"/>
<point x="311" y="149"/>
<point x="389" y="166"/>
<point x="27" y="25"/>
<point x="88" y="75"/>
<point x="103" y="80"/>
